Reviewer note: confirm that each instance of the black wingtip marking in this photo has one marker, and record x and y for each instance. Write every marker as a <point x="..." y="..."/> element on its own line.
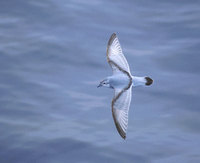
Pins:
<point x="124" y="137"/>
<point x="120" y="131"/>
<point x="112" y="37"/>
<point x="117" y="125"/>
<point x="149" y="81"/>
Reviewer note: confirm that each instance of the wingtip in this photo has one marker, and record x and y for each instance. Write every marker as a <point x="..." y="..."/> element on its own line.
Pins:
<point x="124" y="137"/>
<point x="114" y="34"/>
<point x="121" y="132"/>
<point x="112" y="37"/>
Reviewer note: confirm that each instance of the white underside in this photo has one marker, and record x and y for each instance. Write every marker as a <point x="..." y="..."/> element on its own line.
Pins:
<point x="138" y="81"/>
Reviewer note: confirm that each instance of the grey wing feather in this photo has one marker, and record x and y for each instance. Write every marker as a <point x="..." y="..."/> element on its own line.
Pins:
<point x="115" y="54"/>
<point x="120" y="108"/>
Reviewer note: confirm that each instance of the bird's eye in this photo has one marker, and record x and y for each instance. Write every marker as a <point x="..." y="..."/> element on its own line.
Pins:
<point x="104" y="83"/>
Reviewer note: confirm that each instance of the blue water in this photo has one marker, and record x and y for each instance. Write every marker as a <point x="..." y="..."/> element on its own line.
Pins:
<point x="52" y="56"/>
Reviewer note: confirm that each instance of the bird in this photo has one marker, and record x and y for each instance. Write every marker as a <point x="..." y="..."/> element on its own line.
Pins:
<point x="122" y="82"/>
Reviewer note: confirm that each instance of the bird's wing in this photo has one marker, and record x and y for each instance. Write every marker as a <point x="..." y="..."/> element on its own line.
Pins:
<point x="120" y="108"/>
<point x="115" y="55"/>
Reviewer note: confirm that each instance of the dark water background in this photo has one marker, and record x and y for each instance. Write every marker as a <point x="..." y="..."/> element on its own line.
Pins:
<point x="52" y="55"/>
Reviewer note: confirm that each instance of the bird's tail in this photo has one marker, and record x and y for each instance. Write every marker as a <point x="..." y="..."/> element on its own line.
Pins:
<point x="137" y="81"/>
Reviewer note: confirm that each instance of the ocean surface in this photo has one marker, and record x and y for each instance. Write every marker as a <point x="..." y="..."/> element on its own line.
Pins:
<point x="52" y="57"/>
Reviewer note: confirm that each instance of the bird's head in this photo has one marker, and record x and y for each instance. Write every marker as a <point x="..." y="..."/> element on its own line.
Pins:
<point x="104" y="83"/>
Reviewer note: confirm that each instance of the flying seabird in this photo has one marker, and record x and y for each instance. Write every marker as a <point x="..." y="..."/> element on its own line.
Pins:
<point x="121" y="81"/>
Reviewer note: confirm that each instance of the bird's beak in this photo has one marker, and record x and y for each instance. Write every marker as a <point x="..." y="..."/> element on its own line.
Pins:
<point x="99" y="85"/>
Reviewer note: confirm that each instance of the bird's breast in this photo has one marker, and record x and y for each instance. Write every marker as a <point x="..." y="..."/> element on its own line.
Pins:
<point x="121" y="80"/>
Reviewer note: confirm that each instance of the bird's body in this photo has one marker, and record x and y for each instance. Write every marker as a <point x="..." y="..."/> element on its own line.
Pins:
<point x="121" y="81"/>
